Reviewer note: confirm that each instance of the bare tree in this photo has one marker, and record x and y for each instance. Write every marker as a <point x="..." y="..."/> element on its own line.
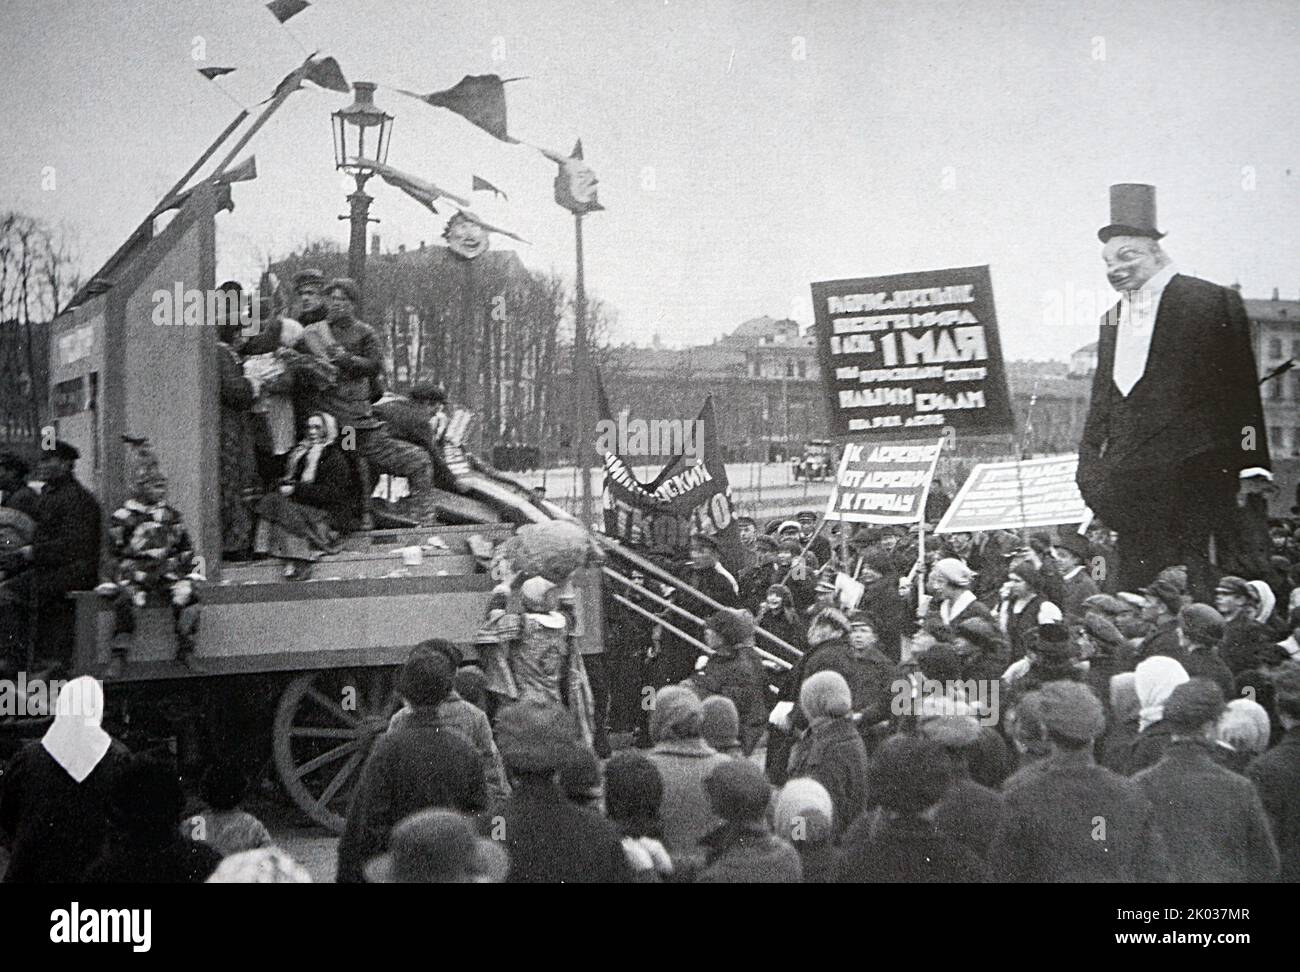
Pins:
<point x="38" y="275"/>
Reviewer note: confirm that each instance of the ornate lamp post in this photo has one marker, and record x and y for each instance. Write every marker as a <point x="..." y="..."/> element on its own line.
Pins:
<point x="361" y="135"/>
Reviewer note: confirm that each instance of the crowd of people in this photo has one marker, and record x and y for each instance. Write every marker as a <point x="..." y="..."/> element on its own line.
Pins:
<point x="1015" y="718"/>
<point x="307" y="428"/>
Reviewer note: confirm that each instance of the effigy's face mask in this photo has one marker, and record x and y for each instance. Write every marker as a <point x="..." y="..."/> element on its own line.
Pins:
<point x="1130" y="261"/>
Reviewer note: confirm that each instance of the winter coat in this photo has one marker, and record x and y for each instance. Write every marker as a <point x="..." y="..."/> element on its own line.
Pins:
<point x="870" y="676"/>
<point x="1076" y="822"/>
<point x="905" y="849"/>
<point x="418" y="766"/>
<point x="833" y="753"/>
<point x="551" y="841"/>
<point x="748" y="854"/>
<point x="969" y="815"/>
<point x="738" y="674"/>
<point x="685" y="812"/>
<point x="1148" y="747"/>
<point x="1213" y="823"/>
<point x="56" y="826"/>
<point x="1276" y="775"/>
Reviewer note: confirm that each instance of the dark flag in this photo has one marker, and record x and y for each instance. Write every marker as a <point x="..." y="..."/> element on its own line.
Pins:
<point x="323" y="72"/>
<point x="282" y="10"/>
<point x="482" y="185"/>
<point x="214" y="72"/>
<point x="690" y="495"/>
<point x="478" y="98"/>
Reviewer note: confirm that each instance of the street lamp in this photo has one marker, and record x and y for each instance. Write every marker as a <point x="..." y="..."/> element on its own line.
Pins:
<point x="361" y="135"/>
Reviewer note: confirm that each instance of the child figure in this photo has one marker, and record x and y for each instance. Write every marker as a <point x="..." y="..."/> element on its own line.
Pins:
<point x="152" y="554"/>
<point x="530" y="652"/>
<point x="224" y="824"/>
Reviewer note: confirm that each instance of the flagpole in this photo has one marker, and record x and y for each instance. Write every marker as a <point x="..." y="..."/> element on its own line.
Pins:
<point x="276" y="101"/>
<point x="582" y="365"/>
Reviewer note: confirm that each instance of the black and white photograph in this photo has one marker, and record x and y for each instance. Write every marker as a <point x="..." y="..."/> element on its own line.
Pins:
<point x="662" y="442"/>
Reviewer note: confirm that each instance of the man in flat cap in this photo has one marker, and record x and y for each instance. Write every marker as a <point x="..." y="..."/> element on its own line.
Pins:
<point x="1075" y="821"/>
<point x="1175" y="411"/>
<point x="62" y="557"/>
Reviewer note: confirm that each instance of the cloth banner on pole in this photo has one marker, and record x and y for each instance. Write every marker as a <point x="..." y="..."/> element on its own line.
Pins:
<point x="883" y="483"/>
<point x="690" y="495"/>
<point x="912" y="351"/>
<point x="1017" y="496"/>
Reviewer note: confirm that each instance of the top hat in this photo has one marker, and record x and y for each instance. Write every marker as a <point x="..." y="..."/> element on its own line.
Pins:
<point x="1132" y="212"/>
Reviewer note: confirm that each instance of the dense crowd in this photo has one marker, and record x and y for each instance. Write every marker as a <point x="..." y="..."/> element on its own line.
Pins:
<point x="1014" y="717"/>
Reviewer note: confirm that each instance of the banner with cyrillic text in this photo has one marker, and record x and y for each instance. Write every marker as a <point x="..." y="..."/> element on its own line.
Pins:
<point x="883" y="483"/>
<point x="1017" y="496"/>
<point x="910" y="353"/>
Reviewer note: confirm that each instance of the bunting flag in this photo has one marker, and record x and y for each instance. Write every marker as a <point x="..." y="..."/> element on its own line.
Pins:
<point x="575" y="183"/>
<point x="482" y="185"/>
<point x="213" y="73"/>
<point x="474" y="218"/>
<point x="419" y="190"/>
<point x="479" y="99"/>
<point x="243" y="172"/>
<point x="323" y="72"/>
<point x="282" y="10"/>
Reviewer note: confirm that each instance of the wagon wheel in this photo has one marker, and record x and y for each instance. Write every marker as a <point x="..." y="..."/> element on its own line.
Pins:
<point x="325" y="724"/>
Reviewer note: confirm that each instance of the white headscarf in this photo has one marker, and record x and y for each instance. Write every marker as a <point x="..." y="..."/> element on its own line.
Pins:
<point x="1266" y="598"/>
<point x="74" y="740"/>
<point x="311" y="450"/>
<point x="1155" y="680"/>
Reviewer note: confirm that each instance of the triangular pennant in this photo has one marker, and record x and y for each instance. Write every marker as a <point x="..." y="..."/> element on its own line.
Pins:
<point x="478" y="98"/>
<point x="418" y="189"/>
<point x="475" y="218"/>
<point x="212" y="73"/>
<point x="327" y="74"/>
<point x="282" y="10"/>
<point x="324" y="72"/>
<point x="482" y="185"/>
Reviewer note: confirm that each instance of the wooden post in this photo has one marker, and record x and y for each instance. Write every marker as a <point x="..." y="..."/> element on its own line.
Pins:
<point x="582" y="366"/>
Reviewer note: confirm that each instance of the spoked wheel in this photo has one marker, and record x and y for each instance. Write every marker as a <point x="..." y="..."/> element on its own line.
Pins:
<point x="325" y="724"/>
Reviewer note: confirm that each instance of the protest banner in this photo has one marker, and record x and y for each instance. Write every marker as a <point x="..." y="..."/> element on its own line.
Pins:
<point x="1017" y="496"/>
<point x="884" y="483"/>
<point x="690" y="495"/>
<point x="912" y="351"/>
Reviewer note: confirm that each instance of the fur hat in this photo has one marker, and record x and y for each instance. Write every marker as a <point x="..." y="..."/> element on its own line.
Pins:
<point x="1071" y="710"/>
<point x="738" y="790"/>
<point x="536" y="737"/>
<point x="1193" y="704"/>
<point x="678" y="714"/>
<point x="734" y="627"/>
<point x="720" y="724"/>
<point x="1201" y="623"/>
<point x="825" y="695"/>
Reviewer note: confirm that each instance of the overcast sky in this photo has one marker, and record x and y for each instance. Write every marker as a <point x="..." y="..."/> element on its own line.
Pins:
<point x="744" y="149"/>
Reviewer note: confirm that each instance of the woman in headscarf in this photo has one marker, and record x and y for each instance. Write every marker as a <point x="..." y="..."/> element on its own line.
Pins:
<point x="55" y="798"/>
<point x="1242" y="733"/>
<point x="317" y="502"/>
<point x="1122" y="722"/>
<point x="831" y="751"/>
<point x="803" y="815"/>
<point x="1154" y="680"/>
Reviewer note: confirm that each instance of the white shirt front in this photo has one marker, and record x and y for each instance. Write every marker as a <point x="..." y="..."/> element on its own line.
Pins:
<point x="1137" y="318"/>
